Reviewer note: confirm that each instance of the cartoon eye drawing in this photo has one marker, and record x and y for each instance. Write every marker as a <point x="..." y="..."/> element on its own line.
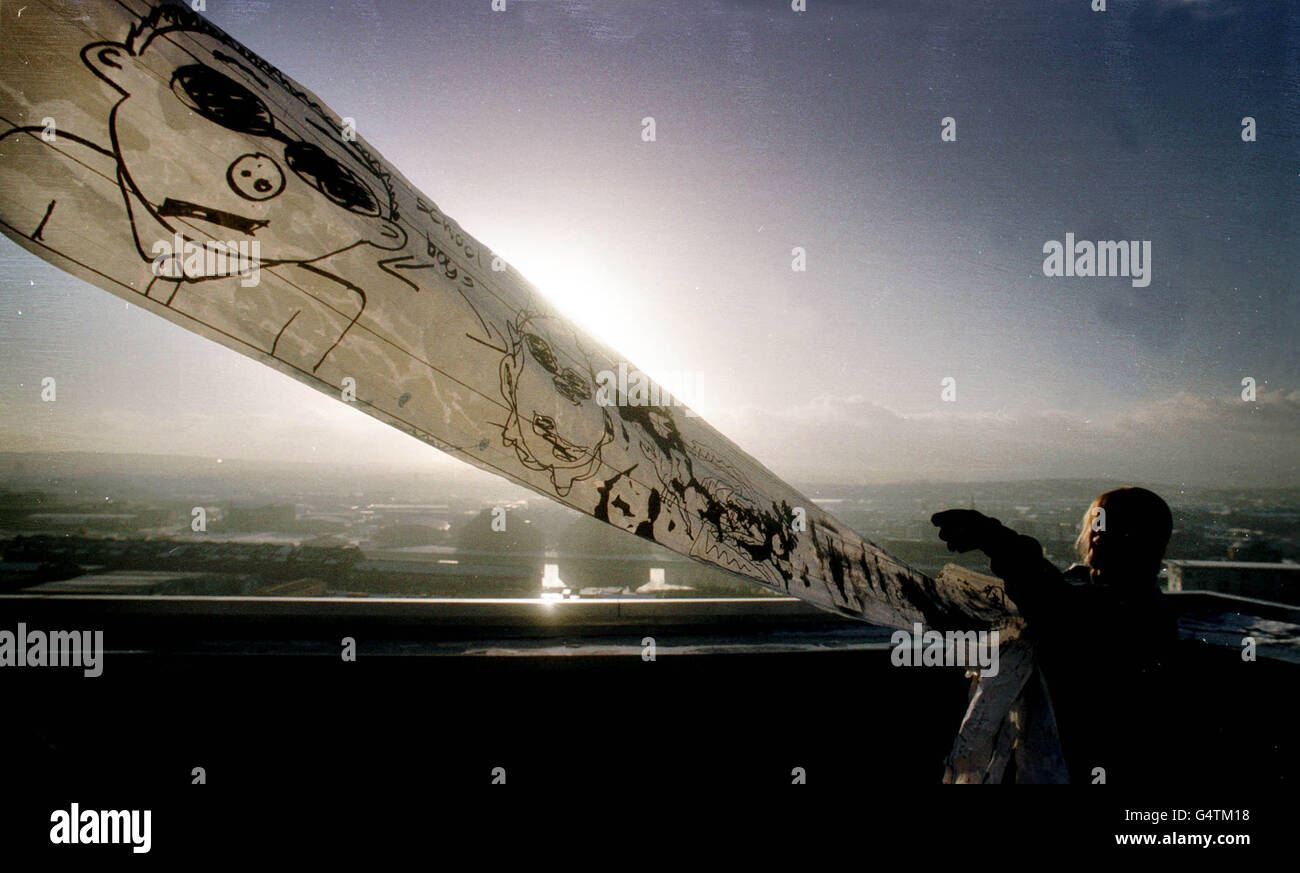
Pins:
<point x="223" y="101"/>
<point x="541" y="351"/>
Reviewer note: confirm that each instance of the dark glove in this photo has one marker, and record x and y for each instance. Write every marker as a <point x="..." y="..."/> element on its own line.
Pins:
<point x="966" y="529"/>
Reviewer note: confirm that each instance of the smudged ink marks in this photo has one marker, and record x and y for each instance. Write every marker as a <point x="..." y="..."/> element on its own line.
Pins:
<point x="554" y="422"/>
<point x="210" y="150"/>
<point x="743" y="529"/>
<point x="687" y="498"/>
<point x="690" y="495"/>
<point x="629" y="505"/>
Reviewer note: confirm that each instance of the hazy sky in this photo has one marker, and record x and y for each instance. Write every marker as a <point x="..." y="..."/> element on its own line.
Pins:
<point x="774" y="130"/>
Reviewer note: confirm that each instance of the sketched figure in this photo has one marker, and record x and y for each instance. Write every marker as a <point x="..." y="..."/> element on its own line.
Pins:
<point x="211" y="143"/>
<point x="698" y="503"/>
<point x="555" y="422"/>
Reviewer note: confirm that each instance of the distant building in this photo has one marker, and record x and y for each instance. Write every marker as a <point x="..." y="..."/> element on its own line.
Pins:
<point x="260" y="518"/>
<point x="658" y="583"/>
<point x="1254" y="550"/>
<point x="438" y="574"/>
<point x="306" y="587"/>
<point x="1279" y="583"/>
<point x="111" y="521"/>
<point x="552" y="584"/>
<point x="153" y="582"/>
<point x="401" y="535"/>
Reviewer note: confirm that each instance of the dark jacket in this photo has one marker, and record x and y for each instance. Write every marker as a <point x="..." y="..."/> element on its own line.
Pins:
<point x="1102" y="650"/>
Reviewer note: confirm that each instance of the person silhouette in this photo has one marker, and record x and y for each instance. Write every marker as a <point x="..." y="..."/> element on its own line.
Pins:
<point x="1102" y="628"/>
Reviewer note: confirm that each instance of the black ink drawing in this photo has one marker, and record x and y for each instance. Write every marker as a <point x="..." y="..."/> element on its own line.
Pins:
<point x="182" y="82"/>
<point x="555" y="423"/>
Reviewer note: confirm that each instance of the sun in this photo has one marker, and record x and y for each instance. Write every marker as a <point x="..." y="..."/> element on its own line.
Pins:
<point x="600" y="296"/>
<point x="579" y="281"/>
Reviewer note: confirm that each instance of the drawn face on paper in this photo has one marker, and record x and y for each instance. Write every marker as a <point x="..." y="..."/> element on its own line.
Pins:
<point x="215" y="148"/>
<point x="555" y="421"/>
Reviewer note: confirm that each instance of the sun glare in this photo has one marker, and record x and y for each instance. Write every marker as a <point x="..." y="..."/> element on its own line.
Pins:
<point x="578" y="281"/>
<point x="603" y="299"/>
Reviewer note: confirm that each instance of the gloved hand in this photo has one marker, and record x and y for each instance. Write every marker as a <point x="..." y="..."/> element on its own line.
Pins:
<point x="966" y="529"/>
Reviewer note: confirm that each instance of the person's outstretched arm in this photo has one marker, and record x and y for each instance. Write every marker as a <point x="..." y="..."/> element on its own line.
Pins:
<point x="1039" y="590"/>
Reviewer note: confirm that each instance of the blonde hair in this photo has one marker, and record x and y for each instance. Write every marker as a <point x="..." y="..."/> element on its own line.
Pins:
<point x="1143" y="517"/>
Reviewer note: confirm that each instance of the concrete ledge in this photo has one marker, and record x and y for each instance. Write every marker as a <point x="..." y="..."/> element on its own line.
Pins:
<point x="526" y="611"/>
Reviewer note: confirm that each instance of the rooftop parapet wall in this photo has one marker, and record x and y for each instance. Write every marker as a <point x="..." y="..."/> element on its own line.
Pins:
<point x="1279" y="583"/>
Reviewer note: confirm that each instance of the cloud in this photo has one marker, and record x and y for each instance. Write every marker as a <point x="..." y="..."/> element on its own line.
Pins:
<point x="1184" y="438"/>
